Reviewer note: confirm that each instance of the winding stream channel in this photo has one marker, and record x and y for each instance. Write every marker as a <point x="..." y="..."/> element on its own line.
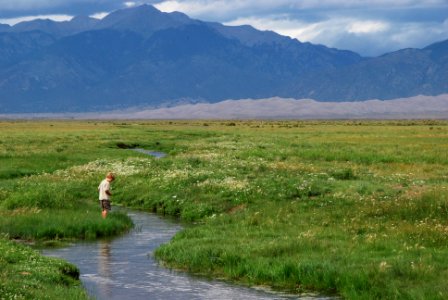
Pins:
<point x="124" y="267"/>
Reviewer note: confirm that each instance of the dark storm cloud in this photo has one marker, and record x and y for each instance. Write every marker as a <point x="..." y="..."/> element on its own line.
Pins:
<point x="20" y="8"/>
<point x="370" y="27"/>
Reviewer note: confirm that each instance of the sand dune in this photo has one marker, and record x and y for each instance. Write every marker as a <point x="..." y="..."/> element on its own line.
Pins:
<point x="419" y="107"/>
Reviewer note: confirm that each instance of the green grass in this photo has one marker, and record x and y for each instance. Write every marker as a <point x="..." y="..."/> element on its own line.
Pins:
<point x="61" y="224"/>
<point x="25" y="274"/>
<point x="354" y="209"/>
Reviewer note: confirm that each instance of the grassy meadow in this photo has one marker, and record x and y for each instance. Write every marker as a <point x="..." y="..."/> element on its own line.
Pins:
<point x="357" y="209"/>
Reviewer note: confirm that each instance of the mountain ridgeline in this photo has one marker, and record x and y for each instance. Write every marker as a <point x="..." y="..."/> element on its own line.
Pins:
<point x="143" y="57"/>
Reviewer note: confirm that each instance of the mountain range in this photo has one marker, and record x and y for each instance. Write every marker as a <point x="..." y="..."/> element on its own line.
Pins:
<point x="144" y="57"/>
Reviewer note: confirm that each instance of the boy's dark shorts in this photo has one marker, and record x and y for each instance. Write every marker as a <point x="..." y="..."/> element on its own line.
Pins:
<point x="105" y="204"/>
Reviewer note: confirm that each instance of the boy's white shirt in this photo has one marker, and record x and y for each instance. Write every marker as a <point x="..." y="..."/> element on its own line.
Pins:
<point x="103" y="187"/>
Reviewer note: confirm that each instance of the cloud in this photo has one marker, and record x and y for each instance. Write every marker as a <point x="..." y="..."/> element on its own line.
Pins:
<point x="130" y="4"/>
<point x="45" y="4"/>
<point x="281" y="24"/>
<point x="99" y="15"/>
<point x="228" y="8"/>
<point x="370" y="27"/>
<point x="368" y="37"/>
<point x="27" y="5"/>
<point x="220" y="10"/>
<point x="24" y="4"/>
<point x="365" y="27"/>
<point x="19" y="8"/>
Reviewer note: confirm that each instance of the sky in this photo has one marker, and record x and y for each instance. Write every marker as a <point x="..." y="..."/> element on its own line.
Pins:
<point x="369" y="27"/>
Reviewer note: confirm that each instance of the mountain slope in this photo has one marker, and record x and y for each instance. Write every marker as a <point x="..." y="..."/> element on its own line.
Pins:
<point x="4" y="27"/>
<point x="143" y="19"/>
<point x="141" y="56"/>
<point x="17" y="47"/>
<point x="57" y="29"/>
<point x="403" y="73"/>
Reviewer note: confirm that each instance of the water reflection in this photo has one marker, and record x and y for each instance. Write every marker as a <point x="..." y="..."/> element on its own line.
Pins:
<point x="149" y="152"/>
<point x="104" y="255"/>
<point x="124" y="268"/>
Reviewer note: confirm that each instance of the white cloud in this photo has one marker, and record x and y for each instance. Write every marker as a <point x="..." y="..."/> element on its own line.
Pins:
<point x="365" y="3"/>
<point x="193" y="8"/>
<point x="283" y="25"/>
<point x="130" y="4"/>
<point x="365" y="27"/>
<point x="219" y="8"/>
<point x="368" y="37"/>
<point x="416" y="35"/>
<point x="99" y="15"/>
<point x="13" y="21"/>
<point x="226" y="8"/>
<point x="310" y="31"/>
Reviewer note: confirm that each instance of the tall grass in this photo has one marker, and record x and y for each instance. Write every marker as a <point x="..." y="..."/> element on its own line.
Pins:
<point x="25" y="274"/>
<point x="356" y="209"/>
<point x="61" y="224"/>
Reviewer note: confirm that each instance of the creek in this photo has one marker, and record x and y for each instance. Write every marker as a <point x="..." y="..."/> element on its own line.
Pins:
<point x="124" y="267"/>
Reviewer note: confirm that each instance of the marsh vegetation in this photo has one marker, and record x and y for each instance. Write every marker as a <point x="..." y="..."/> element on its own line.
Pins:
<point x="356" y="209"/>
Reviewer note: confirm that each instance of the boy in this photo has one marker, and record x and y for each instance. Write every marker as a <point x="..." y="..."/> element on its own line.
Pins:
<point x="104" y="191"/>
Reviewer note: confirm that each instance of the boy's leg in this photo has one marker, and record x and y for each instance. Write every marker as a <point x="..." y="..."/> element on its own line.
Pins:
<point x="105" y="205"/>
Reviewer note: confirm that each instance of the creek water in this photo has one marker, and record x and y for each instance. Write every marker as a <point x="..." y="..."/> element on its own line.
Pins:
<point x="156" y="154"/>
<point x="124" y="267"/>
